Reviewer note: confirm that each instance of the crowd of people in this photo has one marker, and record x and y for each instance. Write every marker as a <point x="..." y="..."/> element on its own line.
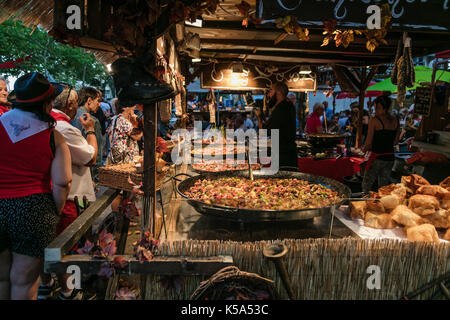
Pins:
<point x="384" y="131"/>
<point x="323" y="120"/>
<point x="57" y="138"/>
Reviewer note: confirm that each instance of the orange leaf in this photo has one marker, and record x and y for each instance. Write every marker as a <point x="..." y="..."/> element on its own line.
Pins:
<point x="330" y="26"/>
<point x="243" y="8"/>
<point x="326" y="41"/>
<point x="371" y="45"/>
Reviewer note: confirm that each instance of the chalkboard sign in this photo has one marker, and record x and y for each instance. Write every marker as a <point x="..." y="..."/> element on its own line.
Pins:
<point x="220" y="76"/>
<point x="422" y="102"/>
<point x="353" y="14"/>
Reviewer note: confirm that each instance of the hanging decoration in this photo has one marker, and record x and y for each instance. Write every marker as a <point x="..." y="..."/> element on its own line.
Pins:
<point x="340" y="37"/>
<point x="376" y="36"/>
<point x="244" y="9"/>
<point x="180" y="11"/>
<point x="343" y="37"/>
<point x="291" y="26"/>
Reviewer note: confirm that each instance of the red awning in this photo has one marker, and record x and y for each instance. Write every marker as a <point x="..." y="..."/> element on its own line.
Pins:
<point x="13" y="64"/>
<point x="369" y="94"/>
<point x="443" y="54"/>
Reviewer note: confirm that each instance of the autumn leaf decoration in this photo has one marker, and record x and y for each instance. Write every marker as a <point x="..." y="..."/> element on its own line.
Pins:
<point x="145" y="248"/>
<point x="291" y="26"/>
<point x="181" y="11"/>
<point x="376" y="36"/>
<point x="340" y="37"/>
<point x="345" y="37"/>
<point x="244" y="9"/>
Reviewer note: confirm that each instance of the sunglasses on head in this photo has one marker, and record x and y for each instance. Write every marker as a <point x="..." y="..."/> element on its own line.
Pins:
<point x="65" y="85"/>
<point x="68" y="94"/>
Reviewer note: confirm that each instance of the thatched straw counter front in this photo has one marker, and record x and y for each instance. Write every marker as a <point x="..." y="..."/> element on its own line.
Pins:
<point x="322" y="268"/>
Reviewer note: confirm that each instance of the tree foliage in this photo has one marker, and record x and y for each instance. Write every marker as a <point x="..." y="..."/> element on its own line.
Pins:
<point x="64" y="63"/>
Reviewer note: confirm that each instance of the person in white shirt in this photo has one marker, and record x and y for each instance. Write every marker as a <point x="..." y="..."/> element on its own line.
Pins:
<point x="248" y="123"/>
<point x="83" y="153"/>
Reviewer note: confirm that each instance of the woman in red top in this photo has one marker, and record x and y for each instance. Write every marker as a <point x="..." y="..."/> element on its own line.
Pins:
<point x="313" y="123"/>
<point x="3" y="97"/>
<point x="35" y="179"/>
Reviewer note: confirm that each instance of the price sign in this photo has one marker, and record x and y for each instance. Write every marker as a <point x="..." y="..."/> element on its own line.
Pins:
<point x="423" y="100"/>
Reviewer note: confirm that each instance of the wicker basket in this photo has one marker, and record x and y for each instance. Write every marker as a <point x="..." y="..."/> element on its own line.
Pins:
<point x="230" y="281"/>
<point x="116" y="176"/>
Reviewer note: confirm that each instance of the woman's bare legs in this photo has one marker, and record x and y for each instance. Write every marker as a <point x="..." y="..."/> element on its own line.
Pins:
<point x="24" y="277"/>
<point x="5" y="267"/>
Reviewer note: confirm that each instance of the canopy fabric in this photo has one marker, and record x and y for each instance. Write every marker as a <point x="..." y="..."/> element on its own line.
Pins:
<point x="423" y="74"/>
<point x="443" y="55"/>
<point x="14" y="63"/>
<point x="369" y="93"/>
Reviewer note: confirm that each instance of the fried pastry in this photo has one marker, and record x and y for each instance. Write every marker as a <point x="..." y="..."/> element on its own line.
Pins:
<point x="433" y="190"/>
<point x="375" y="206"/>
<point x="445" y="183"/>
<point x="386" y="190"/>
<point x="423" y="204"/>
<point x="424" y="232"/>
<point x="404" y="216"/>
<point x="445" y="201"/>
<point x="357" y="209"/>
<point x="447" y="235"/>
<point x="440" y="219"/>
<point x="390" y="202"/>
<point x="379" y="221"/>
<point x="414" y="182"/>
<point x="401" y="192"/>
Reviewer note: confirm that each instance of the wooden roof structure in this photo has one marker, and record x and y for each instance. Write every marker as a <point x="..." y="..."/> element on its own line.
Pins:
<point x="224" y="38"/>
<point x="40" y="12"/>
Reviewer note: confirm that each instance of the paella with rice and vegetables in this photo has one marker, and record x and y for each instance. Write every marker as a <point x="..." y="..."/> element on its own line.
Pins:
<point x="263" y="194"/>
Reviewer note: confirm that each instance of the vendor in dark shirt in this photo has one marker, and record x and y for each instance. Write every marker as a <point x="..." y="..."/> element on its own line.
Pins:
<point x="282" y="118"/>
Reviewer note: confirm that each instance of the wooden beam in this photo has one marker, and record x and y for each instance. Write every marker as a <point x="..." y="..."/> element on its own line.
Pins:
<point x="280" y="38"/>
<point x="161" y="265"/>
<point x="70" y="236"/>
<point x="369" y="78"/>
<point x="270" y="27"/>
<point x="305" y="55"/>
<point x="306" y="46"/>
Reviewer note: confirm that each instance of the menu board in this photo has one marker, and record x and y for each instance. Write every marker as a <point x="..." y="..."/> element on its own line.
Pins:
<point x="422" y="102"/>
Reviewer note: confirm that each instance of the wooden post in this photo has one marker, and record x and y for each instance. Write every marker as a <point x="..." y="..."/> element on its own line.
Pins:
<point x="149" y="182"/>
<point x="362" y="93"/>
<point x="334" y="102"/>
<point x="365" y="80"/>
<point x="150" y="125"/>
<point x="302" y="110"/>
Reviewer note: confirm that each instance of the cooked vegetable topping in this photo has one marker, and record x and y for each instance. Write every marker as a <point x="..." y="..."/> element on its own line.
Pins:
<point x="213" y="166"/>
<point x="263" y="194"/>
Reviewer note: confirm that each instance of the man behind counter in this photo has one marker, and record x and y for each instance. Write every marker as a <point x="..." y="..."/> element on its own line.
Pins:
<point x="282" y="118"/>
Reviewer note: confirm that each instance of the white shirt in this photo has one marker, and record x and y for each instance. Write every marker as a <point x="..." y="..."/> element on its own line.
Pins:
<point x="248" y="124"/>
<point x="81" y="153"/>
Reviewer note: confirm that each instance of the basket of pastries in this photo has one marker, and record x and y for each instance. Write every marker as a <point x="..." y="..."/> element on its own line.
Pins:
<point x="125" y="176"/>
<point x="420" y="209"/>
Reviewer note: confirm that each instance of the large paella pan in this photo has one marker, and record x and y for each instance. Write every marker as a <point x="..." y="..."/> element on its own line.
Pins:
<point x="247" y="214"/>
